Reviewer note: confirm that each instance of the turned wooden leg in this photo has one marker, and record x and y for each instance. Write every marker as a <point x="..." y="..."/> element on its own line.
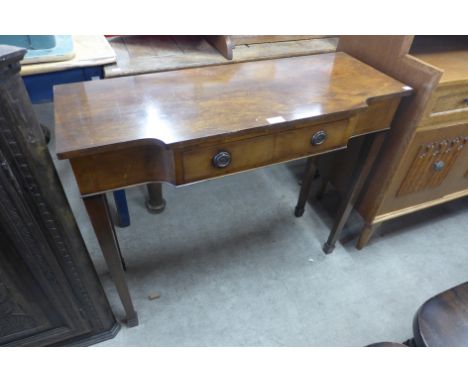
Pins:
<point x="98" y="211"/>
<point x="366" y="234"/>
<point x="309" y="175"/>
<point x="369" y="150"/>
<point x="155" y="202"/>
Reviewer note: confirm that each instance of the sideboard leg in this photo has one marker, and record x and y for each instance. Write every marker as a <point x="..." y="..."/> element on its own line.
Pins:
<point x="366" y="234"/>
<point x="98" y="211"/>
<point x="369" y="151"/>
<point x="304" y="193"/>
<point x="155" y="202"/>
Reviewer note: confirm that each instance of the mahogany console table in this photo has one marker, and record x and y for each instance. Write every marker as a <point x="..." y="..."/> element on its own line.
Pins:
<point x="190" y="125"/>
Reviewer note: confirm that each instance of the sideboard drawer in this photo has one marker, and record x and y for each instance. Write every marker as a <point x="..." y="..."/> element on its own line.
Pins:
<point x="235" y="156"/>
<point x="456" y="99"/>
<point x="449" y="104"/>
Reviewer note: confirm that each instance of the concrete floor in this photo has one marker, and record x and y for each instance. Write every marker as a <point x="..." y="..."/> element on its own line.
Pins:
<point x="234" y="267"/>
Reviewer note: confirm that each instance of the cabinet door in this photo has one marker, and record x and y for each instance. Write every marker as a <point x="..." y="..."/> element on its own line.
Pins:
<point x="49" y="291"/>
<point x="432" y="163"/>
<point x="28" y="315"/>
<point x="434" y="168"/>
<point x="37" y="305"/>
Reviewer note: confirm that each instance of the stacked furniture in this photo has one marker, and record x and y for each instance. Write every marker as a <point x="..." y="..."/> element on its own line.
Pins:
<point x="424" y="161"/>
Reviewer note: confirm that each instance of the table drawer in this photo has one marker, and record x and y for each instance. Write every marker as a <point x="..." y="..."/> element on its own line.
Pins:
<point x="235" y="156"/>
<point x="239" y="156"/>
<point x="309" y="140"/>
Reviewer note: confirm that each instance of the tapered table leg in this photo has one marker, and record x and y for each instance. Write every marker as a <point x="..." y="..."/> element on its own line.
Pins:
<point x="309" y="173"/>
<point x="369" y="151"/>
<point x="155" y="202"/>
<point x="98" y="211"/>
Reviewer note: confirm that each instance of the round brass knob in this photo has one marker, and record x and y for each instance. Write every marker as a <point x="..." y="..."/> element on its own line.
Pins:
<point x="319" y="137"/>
<point x="439" y="165"/>
<point x="222" y="159"/>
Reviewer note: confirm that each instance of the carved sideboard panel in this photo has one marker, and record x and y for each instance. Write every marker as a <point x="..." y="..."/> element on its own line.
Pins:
<point x="431" y="164"/>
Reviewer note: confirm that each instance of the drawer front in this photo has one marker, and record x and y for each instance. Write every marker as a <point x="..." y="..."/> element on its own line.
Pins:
<point x="454" y="100"/>
<point x="302" y="142"/>
<point x="236" y="156"/>
<point x="377" y="117"/>
<point x="449" y="104"/>
<point x="199" y="164"/>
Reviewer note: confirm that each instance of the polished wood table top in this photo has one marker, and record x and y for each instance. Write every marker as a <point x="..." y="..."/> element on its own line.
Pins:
<point x="184" y="107"/>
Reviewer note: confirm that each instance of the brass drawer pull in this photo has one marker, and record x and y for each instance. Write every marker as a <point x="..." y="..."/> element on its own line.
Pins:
<point x="439" y="165"/>
<point x="319" y="137"/>
<point x="222" y="159"/>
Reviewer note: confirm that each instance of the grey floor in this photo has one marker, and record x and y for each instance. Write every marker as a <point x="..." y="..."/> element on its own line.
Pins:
<point x="234" y="267"/>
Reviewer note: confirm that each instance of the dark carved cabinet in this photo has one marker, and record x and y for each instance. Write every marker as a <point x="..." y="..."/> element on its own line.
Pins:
<point x="49" y="291"/>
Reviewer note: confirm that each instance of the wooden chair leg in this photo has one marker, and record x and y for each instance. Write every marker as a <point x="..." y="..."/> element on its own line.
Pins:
<point x="369" y="150"/>
<point x="155" y="202"/>
<point x="307" y="179"/>
<point x="98" y="211"/>
<point x="366" y="234"/>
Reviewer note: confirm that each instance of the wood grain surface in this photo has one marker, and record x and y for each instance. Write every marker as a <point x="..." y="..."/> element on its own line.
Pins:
<point x="151" y="54"/>
<point x="260" y="39"/>
<point x="443" y="319"/>
<point x="181" y="108"/>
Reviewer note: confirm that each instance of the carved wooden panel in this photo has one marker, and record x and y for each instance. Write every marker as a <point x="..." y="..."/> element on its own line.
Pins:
<point x="431" y="164"/>
<point x="49" y="293"/>
<point x="24" y="308"/>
